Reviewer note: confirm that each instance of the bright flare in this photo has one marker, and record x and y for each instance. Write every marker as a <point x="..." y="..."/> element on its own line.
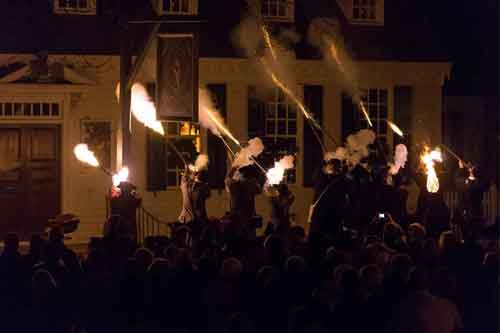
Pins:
<point x="275" y="175"/>
<point x="144" y="109"/>
<point x="121" y="176"/>
<point x="221" y="126"/>
<point x="367" y="117"/>
<point x="83" y="154"/>
<point x="395" y="128"/>
<point x="429" y="158"/>
<point x="267" y="39"/>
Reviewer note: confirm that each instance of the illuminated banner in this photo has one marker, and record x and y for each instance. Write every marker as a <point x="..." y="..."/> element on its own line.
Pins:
<point x="177" y="78"/>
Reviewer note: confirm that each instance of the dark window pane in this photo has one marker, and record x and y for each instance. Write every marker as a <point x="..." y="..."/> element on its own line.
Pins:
<point x="36" y="109"/>
<point x="355" y="13"/>
<point x="166" y="5"/>
<point x="82" y="3"/>
<point x="172" y="128"/>
<point x="55" y="109"/>
<point x="292" y="113"/>
<point x="18" y="109"/>
<point x="27" y="109"/>
<point x="356" y="2"/>
<point x="372" y="109"/>
<point x="383" y="96"/>
<point x="72" y="4"/>
<point x="364" y="13"/>
<point x="281" y="111"/>
<point x="373" y="96"/>
<point x="364" y="2"/>
<point x="270" y="127"/>
<point x="8" y="109"/>
<point x="282" y="9"/>
<point x="185" y="6"/>
<point x="46" y="109"/>
<point x="292" y="127"/>
<point x="372" y="14"/>
<point x="282" y="127"/>
<point x="270" y="111"/>
<point x="382" y="112"/>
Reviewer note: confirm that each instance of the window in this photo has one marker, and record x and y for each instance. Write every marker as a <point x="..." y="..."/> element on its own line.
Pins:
<point x="375" y="101"/>
<point x="364" y="10"/>
<point x="23" y="109"/>
<point x="282" y="10"/>
<point x="180" y="7"/>
<point x="186" y="138"/>
<point x="76" y="7"/>
<point x="280" y="123"/>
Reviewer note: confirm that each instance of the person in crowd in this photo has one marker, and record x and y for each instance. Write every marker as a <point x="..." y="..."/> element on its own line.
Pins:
<point x="195" y="192"/>
<point x="281" y="199"/>
<point x="327" y="210"/>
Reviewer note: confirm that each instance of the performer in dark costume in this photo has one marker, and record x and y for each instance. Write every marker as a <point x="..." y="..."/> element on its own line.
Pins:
<point x="327" y="211"/>
<point x="471" y="189"/>
<point x="124" y="201"/>
<point x="361" y="207"/>
<point x="243" y="185"/>
<point x="195" y="192"/>
<point x="281" y="200"/>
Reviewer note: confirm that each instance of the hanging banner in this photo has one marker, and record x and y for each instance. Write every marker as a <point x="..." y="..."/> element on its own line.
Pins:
<point x="177" y="78"/>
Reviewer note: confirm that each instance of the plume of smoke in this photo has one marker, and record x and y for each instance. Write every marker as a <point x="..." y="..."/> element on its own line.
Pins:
<point x="340" y="153"/>
<point x="400" y="158"/>
<point x="201" y="162"/>
<point x="245" y="156"/>
<point x="357" y="145"/>
<point x="205" y="105"/>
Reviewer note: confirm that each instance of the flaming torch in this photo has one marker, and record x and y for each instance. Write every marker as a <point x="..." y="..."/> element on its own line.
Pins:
<point x="84" y="155"/>
<point x="121" y="176"/>
<point x="429" y="158"/>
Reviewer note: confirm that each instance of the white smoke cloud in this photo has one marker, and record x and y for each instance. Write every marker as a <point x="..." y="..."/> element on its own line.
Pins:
<point x="244" y="157"/>
<point x="400" y="159"/>
<point x="201" y="162"/>
<point x="205" y="105"/>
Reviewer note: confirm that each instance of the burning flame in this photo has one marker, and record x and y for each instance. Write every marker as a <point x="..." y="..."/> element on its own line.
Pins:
<point x="221" y="126"/>
<point x="83" y="154"/>
<point x="365" y="113"/>
<point x="121" y="176"/>
<point x="429" y="158"/>
<point x="275" y="175"/>
<point x="395" y="128"/>
<point x="143" y="108"/>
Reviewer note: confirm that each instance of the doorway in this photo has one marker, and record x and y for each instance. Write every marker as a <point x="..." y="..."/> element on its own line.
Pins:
<point x="30" y="186"/>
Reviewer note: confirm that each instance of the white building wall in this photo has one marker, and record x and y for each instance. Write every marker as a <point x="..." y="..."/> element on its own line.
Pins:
<point x="84" y="188"/>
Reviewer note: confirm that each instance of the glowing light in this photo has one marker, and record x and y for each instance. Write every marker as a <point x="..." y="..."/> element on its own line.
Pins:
<point x="275" y="175"/>
<point x="395" y="128"/>
<point x="267" y="39"/>
<point x="429" y="158"/>
<point x="367" y="117"/>
<point x="121" y="176"/>
<point x="221" y="126"/>
<point x="144" y="109"/>
<point x="83" y="154"/>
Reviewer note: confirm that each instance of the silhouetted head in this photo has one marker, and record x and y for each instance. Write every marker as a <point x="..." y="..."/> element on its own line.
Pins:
<point x="11" y="242"/>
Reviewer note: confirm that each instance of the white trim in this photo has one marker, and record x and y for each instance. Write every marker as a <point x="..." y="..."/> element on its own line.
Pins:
<point x="192" y="10"/>
<point x="91" y="8"/>
<point x="289" y="6"/>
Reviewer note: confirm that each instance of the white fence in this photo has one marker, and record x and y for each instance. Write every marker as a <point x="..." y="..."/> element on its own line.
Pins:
<point x="491" y="202"/>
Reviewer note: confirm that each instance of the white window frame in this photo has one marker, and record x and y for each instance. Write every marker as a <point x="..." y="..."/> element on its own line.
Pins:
<point x="277" y="98"/>
<point x="196" y="135"/>
<point x="192" y="7"/>
<point x="370" y="6"/>
<point x="89" y="9"/>
<point x="375" y="107"/>
<point x="25" y="108"/>
<point x="270" y="10"/>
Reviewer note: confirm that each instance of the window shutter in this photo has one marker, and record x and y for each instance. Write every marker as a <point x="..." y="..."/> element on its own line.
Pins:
<point x="403" y="96"/>
<point x="313" y="98"/>
<point x="256" y="114"/>
<point x="351" y="121"/>
<point x="216" y="150"/>
<point x="156" y="155"/>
